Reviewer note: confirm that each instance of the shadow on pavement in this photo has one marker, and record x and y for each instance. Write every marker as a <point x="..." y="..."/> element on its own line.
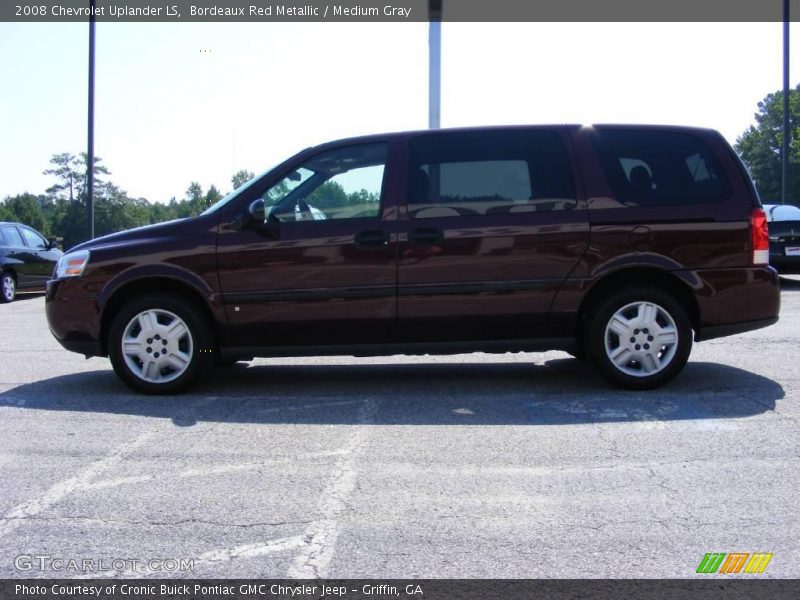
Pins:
<point x="25" y="295"/>
<point x="562" y="391"/>
<point x="790" y="283"/>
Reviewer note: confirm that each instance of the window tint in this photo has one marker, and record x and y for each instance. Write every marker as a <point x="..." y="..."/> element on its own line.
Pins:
<point x="344" y="183"/>
<point x="32" y="239"/>
<point x="492" y="172"/>
<point x="656" y="168"/>
<point x="12" y="237"/>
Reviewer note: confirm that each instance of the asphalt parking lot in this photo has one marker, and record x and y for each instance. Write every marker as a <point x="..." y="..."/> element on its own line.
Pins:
<point x="507" y="466"/>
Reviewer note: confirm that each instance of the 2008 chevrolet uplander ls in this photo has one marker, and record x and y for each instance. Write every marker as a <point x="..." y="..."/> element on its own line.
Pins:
<point x="618" y="243"/>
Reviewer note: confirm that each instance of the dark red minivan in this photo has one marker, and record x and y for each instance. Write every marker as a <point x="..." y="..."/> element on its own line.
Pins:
<point x="618" y="243"/>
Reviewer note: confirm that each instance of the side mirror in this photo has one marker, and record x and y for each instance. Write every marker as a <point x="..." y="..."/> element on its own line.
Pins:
<point x="52" y="243"/>
<point x="257" y="211"/>
<point x="261" y="221"/>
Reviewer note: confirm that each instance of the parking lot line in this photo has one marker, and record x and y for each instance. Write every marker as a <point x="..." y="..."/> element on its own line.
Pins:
<point x="17" y="515"/>
<point x="319" y="540"/>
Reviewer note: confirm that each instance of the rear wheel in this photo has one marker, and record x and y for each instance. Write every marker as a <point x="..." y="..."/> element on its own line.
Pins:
<point x="639" y="338"/>
<point x="9" y="287"/>
<point x="160" y="344"/>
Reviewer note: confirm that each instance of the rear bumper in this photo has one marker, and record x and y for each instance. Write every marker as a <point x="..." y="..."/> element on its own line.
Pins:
<point x="709" y="333"/>
<point x="785" y="264"/>
<point x="731" y="301"/>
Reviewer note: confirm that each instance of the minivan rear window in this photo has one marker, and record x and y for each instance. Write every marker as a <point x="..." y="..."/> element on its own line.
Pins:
<point x="488" y="172"/>
<point x="650" y="167"/>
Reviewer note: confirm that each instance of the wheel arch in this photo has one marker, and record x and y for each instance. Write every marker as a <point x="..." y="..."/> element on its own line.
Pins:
<point x="667" y="281"/>
<point x="152" y="284"/>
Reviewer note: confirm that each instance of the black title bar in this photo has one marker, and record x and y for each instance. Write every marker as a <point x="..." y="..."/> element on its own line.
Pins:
<point x="262" y="11"/>
<point x="405" y="589"/>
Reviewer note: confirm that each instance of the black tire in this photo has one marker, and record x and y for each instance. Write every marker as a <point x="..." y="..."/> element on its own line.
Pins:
<point x="8" y="287"/>
<point x="666" y="362"/>
<point x="195" y="345"/>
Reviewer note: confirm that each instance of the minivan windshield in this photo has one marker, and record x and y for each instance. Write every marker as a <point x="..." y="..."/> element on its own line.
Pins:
<point x="234" y="194"/>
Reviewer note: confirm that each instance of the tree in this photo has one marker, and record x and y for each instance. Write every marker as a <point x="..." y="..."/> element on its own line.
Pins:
<point x="760" y="147"/>
<point x="65" y="169"/>
<point x="25" y="208"/>
<point x="117" y="212"/>
<point x="329" y="194"/>
<point x="70" y="170"/>
<point x="6" y="214"/>
<point x="241" y="177"/>
<point x="212" y="196"/>
<point x="101" y="188"/>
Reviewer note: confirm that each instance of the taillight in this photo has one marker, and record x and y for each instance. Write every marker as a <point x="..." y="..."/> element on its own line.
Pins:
<point x="759" y="236"/>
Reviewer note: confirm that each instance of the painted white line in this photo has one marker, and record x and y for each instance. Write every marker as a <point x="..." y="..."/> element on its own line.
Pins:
<point x="319" y="540"/>
<point x="249" y="550"/>
<point x="212" y="556"/>
<point x="200" y="472"/>
<point x="16" y="516"/>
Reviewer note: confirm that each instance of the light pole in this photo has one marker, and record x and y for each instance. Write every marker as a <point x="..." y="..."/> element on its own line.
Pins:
<point x="786" y="131"/>
<point x="90" y="145"/>
<point x="434" y="63"/>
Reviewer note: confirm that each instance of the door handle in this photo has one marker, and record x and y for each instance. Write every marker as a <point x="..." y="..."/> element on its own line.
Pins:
<point x="371" y="239"/>
<point x="425" y="236"/>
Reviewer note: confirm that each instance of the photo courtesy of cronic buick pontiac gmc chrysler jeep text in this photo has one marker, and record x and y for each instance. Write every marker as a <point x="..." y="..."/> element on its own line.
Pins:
<point x="622" y="244"/>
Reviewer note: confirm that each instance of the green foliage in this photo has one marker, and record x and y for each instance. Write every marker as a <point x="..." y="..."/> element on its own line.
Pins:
<point x="25" y="208"/>
<point x="212" y="196"/>
<point x="241" y="177"/>
<point x="61" y="211"/>
<point x="330" y="194"/>
<point x="760" y="147"/>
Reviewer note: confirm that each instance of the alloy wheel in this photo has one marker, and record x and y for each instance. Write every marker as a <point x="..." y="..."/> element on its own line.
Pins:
<point x="9" y="287"/>
<point x="157" y="346"/>
<point x="641" y="339"/>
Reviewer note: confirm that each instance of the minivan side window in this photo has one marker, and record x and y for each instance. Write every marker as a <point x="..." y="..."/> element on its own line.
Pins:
<point x="658" y="168"/>
<point x="12" y="237"/>
<point x="344" y="183"/>
<point x="491" y="172"/>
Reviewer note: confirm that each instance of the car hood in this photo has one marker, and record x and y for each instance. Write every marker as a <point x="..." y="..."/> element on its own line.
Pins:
<point x="138" y="234"/>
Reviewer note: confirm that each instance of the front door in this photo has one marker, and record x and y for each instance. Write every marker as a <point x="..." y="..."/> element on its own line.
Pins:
<point x="19" y="256"/>
<point x="42" y="258"/>
<point x="321" y="269"/>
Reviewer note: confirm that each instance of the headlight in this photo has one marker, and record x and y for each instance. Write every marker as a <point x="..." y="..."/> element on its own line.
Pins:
<point x="72" y="264"/>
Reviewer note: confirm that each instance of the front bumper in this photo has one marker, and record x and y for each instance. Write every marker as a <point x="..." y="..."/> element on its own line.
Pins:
<point x="73" y="320"/>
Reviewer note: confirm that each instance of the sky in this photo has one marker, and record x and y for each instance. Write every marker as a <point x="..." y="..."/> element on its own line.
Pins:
<point x="183" y="102"/>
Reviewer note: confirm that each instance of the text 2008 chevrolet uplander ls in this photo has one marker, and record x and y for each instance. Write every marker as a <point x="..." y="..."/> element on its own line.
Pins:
<point x="614" y="242"/>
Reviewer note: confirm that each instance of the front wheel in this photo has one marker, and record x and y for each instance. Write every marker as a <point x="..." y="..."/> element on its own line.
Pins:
<point x="639" y="338"/>
<point x="159" y="344"/>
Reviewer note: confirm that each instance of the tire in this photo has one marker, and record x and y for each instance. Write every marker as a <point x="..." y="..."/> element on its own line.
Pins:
<point x="167" y="341"/>
<point x="8" y="287"/>
<point x="645" y="315"/>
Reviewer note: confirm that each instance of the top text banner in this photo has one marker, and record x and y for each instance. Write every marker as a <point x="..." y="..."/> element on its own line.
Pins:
<point x="259" y="11"/>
